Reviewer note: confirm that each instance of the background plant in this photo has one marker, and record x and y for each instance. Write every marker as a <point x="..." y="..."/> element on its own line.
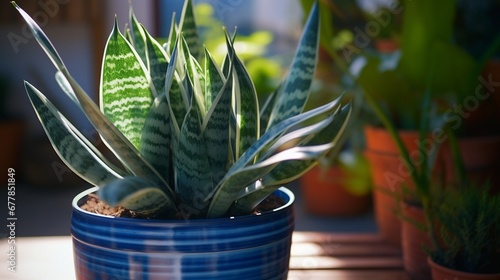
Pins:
<point x="189" y="139"/>
<point x="466" y="228"/>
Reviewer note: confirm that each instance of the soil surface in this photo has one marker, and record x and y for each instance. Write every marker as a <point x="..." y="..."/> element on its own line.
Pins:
<point x="95" y="205"/>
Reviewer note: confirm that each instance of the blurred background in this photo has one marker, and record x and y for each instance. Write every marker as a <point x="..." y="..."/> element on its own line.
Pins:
<point x="268" y="32"/>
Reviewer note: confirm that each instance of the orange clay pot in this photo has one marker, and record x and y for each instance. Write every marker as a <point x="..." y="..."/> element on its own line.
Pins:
<point x="388" y="174"/>
<point x="440" y="272"/>
<point x="414" y="239"/>
<point x="325" y="194"/>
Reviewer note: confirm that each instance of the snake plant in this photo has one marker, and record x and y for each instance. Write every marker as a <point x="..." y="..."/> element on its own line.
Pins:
<point x="189" y="137"/>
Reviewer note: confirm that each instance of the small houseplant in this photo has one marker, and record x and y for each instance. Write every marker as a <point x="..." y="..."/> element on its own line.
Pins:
<point x="463" y="225"/>
<point x="191" y="143"/>
<point x="466" y="226"/>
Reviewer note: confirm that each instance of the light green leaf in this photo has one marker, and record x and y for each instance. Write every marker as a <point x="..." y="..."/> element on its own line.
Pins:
<point x="72" y="147"/>
<point x="125" y="92"/>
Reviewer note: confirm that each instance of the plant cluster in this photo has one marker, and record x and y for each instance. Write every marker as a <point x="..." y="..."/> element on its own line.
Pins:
<point x="190" y="138"/>
<point x="466" y="227"/>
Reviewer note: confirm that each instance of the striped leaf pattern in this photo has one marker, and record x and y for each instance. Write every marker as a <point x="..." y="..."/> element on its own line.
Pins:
<point x="157" y="63"/>
<point x="293" y="94"/>
<point x="138" y="37"/>
<point x="155" y="139"/>
<point x="125" y="92"/>
<point x="231" y="188"/>
<point x="72" y="147"/>
<point x="191" y="161"/>
<point x="214" y="80"/>
<point x="116" y="141"/>
<point x="172" y="37"/>
<point x="247" y="105"/>
<point x="188" y="29"/>
<point x="188" y="136"/>
<point x="195" y="75"/>
<point x="216" y="131"/>
<point x="177" y="94"/>
<point x="263" y="142"/>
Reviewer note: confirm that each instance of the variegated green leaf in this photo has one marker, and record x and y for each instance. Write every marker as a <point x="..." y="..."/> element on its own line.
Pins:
<point x="247" y="128"/>
<point x="157" y="63"/>
<point x="277" y="130"/>
<point x="125" y="92"/>
<point x="188" y="29"/>
<point x="138" y="37"/>
<point x="191" y="161"/>
<point x="195" y="74"/>
<point x="293" y="94"/>
<point x="286" y="172"/>
<point x="72" y="147"/>
<point x="116" y="141"/>
<point x="335" y="129"/>
<point x="172" y="36"/>
<point x="137" y="194"/>
<point x="297" y="135"/>
<point x="214" y="80"/>
<point x="156" y="137"/>
<point x="177" y="97"/>
<point x="233" y="186"/>
<point x="216" y="131"/>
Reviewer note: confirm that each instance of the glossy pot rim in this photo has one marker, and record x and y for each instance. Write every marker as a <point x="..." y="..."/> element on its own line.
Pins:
<point x="80" y="196"/>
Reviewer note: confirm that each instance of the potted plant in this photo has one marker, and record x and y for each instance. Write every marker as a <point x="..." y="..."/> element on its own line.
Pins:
<point x="339" y="189"/>
<point x="194" y="156"/>
<point x="466" y="226"/>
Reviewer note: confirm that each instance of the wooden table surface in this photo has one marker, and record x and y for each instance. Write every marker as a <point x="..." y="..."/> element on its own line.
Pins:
<point x="316" y="256"/>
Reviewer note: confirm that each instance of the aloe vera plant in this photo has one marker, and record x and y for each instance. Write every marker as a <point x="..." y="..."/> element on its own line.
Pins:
<point x="189" y="136"/>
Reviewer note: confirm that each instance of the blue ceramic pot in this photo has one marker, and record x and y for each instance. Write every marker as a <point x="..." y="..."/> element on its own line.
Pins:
<point x="245" y="247"/>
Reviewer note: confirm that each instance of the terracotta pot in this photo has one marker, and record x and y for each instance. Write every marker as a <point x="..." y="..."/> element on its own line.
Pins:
<point x="414" y="238"/>
<point x="483" y="118"/>
<point x="325" y="195"/>
<point x="388" y="174"/>
<point x="481" y="158"/>
<point x="440" y="272"/>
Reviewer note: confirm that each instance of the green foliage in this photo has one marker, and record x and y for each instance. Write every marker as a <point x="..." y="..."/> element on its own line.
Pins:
<point x="265" y="72"/>
<point x="467" y="226"/>
<point x="190" y="137"/>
